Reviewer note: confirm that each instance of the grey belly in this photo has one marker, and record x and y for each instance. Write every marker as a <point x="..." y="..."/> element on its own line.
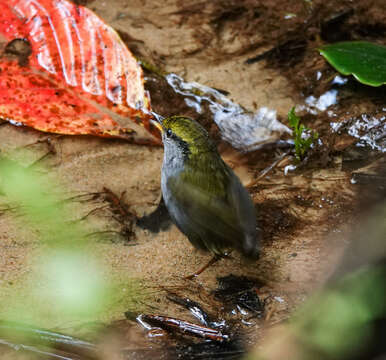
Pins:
<point x="177" y="212"/>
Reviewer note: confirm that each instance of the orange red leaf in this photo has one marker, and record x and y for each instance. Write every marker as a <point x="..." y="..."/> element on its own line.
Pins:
<point x="79" y="78"/>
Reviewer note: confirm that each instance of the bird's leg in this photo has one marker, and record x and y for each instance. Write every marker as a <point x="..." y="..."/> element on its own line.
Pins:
<point x="212" y="261"/>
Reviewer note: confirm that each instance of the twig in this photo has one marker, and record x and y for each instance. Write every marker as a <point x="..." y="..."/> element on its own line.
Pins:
<point x="28" y="338"/>
<point x="183" y="327"/>
<point x="36" y="351"/>
<point x="92" y="212"/>
<point x="93" y="196"/>
<point x="264" y="172"/>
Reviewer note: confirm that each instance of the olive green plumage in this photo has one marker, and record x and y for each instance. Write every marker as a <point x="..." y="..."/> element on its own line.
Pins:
<point x="204" y="197"/>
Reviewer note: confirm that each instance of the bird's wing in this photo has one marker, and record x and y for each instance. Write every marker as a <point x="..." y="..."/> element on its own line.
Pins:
<point x="208" y="206"/>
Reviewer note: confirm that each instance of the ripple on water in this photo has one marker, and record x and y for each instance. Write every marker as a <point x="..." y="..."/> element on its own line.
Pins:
<point x="369" y="129"/>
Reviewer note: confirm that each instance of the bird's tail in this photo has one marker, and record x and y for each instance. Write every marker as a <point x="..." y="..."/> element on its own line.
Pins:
<point x="251" y="245"/>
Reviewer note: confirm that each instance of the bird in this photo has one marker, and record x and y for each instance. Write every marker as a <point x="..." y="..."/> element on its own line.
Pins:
<point x="204" y="197"/>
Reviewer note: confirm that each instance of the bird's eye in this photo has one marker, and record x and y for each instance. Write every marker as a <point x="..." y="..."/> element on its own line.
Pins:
<point x="168" y="132"/>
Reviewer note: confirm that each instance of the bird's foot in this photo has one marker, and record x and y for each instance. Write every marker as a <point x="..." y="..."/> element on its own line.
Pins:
<point x="212" y="261"/>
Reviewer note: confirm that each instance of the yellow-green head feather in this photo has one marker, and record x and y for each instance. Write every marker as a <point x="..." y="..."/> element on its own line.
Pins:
<point x="190" y="132"/>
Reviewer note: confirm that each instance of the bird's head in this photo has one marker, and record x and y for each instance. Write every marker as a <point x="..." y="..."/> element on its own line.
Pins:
<point x="185" y="134"/>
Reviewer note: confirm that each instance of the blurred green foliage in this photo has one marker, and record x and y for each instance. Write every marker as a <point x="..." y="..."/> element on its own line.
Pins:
<point x="339" y="321"/>
<point x="69" y="282"/>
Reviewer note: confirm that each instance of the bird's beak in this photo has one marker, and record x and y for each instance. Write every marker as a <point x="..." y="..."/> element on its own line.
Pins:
<point x="157" y="125"/>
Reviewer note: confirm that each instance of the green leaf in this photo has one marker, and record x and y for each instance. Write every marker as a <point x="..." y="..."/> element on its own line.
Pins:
<point x="302" y="139"/>
<point x="365" y="60"/>
<point x="293" y="118"/>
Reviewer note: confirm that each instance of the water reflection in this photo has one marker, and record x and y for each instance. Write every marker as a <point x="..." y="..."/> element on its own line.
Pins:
<point x="323" y="102"/>
<point x="370" y="130"/>
<point x="244" y="130"/>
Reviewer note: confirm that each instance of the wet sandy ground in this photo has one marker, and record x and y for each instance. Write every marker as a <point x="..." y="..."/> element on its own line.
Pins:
<point x="303" y="215"/>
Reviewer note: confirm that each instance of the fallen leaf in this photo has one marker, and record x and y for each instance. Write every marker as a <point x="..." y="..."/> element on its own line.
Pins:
<point x="63" y="70"/>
